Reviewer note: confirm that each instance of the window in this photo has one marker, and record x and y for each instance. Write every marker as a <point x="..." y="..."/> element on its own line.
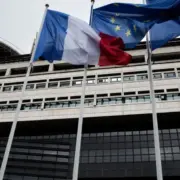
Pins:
<point x="51" y="105"/>
<point x="18" y="71"/>
<point x="31" y="106"/>
<point x="143" y="98"/>
<point x="128" y="78"/>
<point x="157" y="76"/>
<point x="102" y="80"/>
<point x="17" y="88"/>
<point x="99" y="102"/>
<point x="89" y="102"/>
<point x="52" y="84"/>
<point x="7" y="88"/>
<point x="8" y="107"/>
<point x="74" y="103"/>
<point x="77" y="82"/>
<point x="115" y="79"/>
<point x="130" y="99"/>
<point x="30" y="86"/>
<point x="169" y="75"/>
<point x="64" y="83"/>
<point x="2" y="72"/>
<point x="90" y="80"/>
<point x="174" y="96"/>
<point x="142" y="77"/>
<point x="40" y="69"/>
<point x="40" y="86"/>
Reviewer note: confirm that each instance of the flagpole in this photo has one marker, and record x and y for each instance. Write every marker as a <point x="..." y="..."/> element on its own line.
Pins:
<point x="14" y="124"/>
<point x="154" y="112"/>
<point x="80" y="120"/>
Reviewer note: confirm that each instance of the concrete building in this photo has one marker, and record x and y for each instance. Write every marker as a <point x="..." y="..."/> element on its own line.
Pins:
<point x="117" y="140"/>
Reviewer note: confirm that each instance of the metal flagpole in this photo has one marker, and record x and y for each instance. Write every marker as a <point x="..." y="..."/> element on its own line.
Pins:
<point x="14" y="124"/>
<point x="154" y="113"/>
<point x="80" y="121"/>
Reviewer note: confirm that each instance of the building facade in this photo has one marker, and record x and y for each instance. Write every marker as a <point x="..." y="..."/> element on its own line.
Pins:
<point x="117" y="139"/>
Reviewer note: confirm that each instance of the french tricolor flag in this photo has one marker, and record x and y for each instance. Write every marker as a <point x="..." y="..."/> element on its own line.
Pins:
<point x="67" y="38"/>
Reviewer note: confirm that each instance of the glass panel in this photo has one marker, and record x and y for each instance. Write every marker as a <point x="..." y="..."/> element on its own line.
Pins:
<point x="128" y="78"/>
<point x="4" y="108"/>
<point x="130" y="99"/>
<point x="89" y="102"/>
<point x="119" y="100"/>
<point x="7" y="88"/>
<point x="179" y="74"/>
<point x="52" y="84"/>
<point x="30" y="86"/>
<point x="142" y="77"/>
<point x="176" y="96"/>
<point x="65" y="104"/>
<point x="103" y="80"/>
<point x="25" y="107"/>
<point x="74" y="103"/>
<point x="169" y="75"/>
<point x="105" y="101"/>
<point x="17" y="88"/>
<point x="112" y="101"/>
<point x="77" y="83"/>
<point x="170" y="97"/>
<point x="141" y="99"/>
<point x="35" y="106"/>
<point x="12" y="107"/>
<point x="90" y="81"/>
<point x="99" y="102"/>
<point x="64" y="83"/>
<point x="115" y="79"/>
<point x="41" y="85"/>
<point x="157" y="76"/>
<point x="147" y="98"/>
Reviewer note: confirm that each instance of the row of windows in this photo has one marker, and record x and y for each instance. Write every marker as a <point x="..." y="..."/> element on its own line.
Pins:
<point x="90" y="102"/>
<point x="77" y="81"/>
<point x="129" y="158"/>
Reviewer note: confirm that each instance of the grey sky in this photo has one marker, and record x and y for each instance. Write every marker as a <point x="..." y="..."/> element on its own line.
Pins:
<point x="20" y="19"/>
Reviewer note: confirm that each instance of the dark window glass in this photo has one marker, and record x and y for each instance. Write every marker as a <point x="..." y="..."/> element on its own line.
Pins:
<point x="157" y="76"/>
<point x="169" y="75"/>
<point x="17" y="88"/>
<point x="30" y="86"/>
<point x="142" y="77"/>
<point x="40" y="86"/>
<point x="7" y="88"/>
<point x="128" y="78"/>
<point x="52" y="84"/>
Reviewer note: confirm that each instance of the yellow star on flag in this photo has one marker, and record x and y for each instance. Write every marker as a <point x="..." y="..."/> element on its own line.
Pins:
<point x="113" y="20"/>
<point x="135" y="29"/>
<point x="117" y="28"/>
<point x="128" y="33"/>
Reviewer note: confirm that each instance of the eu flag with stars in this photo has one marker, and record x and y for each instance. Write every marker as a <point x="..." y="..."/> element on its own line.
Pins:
<point x="132" y="21"/>
<point x="161" y="33"/>
<point x="129" y="24"/>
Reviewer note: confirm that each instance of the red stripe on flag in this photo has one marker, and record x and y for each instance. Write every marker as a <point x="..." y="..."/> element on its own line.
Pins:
<point x="111" y="51"/>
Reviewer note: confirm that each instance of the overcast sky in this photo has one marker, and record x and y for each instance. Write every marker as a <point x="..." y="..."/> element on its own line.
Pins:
<point x="20" y="19"/>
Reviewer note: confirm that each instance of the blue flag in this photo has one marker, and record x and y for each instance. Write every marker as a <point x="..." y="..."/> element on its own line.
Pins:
<point x="125" y="21"/>
<point x="132" y="21"/>
<point x="161" y="33"/>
